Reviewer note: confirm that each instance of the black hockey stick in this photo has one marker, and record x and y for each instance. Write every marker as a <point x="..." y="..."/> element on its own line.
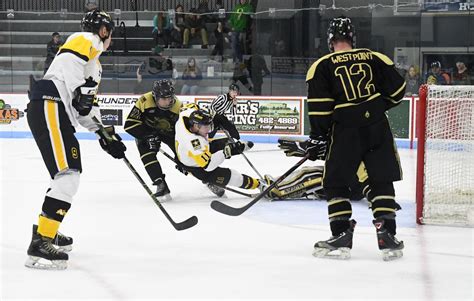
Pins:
<point x="225" y="187"/>
<point x="228" y="210"/>
<point x="245" y="157"/>
<point x="190" y="222"/>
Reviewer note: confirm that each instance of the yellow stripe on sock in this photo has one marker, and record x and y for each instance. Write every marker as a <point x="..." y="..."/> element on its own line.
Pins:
<point x="255" y="183"/>
<point x="47" y="227"/>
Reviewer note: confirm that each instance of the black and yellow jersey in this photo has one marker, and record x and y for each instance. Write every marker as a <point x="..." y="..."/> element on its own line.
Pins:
<point x="353" y="88"/>
<point x="147" y="119"/>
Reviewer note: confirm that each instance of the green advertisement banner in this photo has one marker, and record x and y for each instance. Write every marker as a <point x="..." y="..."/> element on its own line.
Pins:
<point x="265" y="115"/>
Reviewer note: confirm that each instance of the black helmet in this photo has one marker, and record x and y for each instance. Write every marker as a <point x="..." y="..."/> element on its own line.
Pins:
<point x="201" y="117"/>
<point x="435" y="64"/>
<point x="163" y="89"/>
<point x="341" y="28"/>
<point x="234" y="87"/>
<point x="93" y="21"/>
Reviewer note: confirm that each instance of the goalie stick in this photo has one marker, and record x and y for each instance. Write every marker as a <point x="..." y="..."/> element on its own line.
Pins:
<point x="249" y="195"/>
<point x="190" y="222"/>
<point x="232" y="211"/>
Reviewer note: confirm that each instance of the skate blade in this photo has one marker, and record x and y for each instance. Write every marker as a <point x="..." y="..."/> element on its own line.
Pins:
<point x="340" y="253"/>
<point x="45" y="264"/>
<point x="389" y="255"/>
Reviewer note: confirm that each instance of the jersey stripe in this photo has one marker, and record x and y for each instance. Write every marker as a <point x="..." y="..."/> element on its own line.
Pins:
<point x="221" y="104"/>
<point x="81" y="47"/>
<point x="55" y="134"/>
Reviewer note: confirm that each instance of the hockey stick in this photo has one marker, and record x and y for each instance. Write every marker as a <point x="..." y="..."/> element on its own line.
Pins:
<point x="225" y="187"/>
<point x="190" y="222"/>
<point x="228" y="210"/>
<point x="245" y="157"/>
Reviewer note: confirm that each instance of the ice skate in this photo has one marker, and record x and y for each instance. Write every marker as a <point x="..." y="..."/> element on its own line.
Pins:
<point x="273" y="193"/>
<point x="43" y="255"/>
<point x="219" y="191"/>
<point x="61" y="241"/>
<point x="263" y="184"/>
<point x="162" y="190"/>
<point x="389" y="245"/>
<point x="337" y="247"/>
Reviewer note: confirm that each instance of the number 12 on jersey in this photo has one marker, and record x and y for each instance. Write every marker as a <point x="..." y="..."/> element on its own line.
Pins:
<point x="360" y="74"/>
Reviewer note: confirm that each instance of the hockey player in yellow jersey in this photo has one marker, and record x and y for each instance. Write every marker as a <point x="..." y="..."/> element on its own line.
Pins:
<point x="62" y="100"/>
<point x="202" y="157"/>
<point x="152" y="121"/>
<point x="349" y="91"/>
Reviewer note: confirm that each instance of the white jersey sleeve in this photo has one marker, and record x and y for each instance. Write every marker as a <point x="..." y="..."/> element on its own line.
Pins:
<point x="75" y="62"/>
<point x="194" y="150"/>
<point x="94" y="71"/>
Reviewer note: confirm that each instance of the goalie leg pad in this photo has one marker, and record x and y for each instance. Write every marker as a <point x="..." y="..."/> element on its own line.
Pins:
<point x="304" y="183"/>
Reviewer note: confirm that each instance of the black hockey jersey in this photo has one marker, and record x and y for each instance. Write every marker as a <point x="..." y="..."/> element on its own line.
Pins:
<point x="147" y="119"/>
<point x="353" y="88"/>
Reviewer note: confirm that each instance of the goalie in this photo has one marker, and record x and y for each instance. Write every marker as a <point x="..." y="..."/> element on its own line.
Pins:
<point x="306" y="183"/>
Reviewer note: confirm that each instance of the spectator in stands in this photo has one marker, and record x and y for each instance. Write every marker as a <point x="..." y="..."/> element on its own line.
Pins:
<point x="257" y="68"/>
<point x="162" y="27"/>
<point x="277" y="46"/>
<point x="203" y="10"/>
<point x="435" y="76"/>
<point x="241" y="74"/>
<point x="178" y="26"/>
<point x="90" y="5"/>
<point x="239" y="22"/>
<point x="155" y="67"/>
<point x="412" y="78"/>
<point x="215" y="17"/>
<point x="461" y="76"/>
<point x="401" y="69"/>
<point x="51" y="49"/>
<point x="192" y="77"/>
<point x="194" y="25"/>
<point x="221" y="33"/>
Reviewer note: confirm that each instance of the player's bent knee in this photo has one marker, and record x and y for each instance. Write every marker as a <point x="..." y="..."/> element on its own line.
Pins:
<point x="220" y="176"/>
<point x="64" y="185"/>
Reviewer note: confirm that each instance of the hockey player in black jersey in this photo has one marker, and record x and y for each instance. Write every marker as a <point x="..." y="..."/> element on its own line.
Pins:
<point x="349" y="91"/>
<point x="152" y="121"/>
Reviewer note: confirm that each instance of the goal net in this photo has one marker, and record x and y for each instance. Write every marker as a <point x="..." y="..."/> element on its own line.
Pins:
<point x="445" y="171"/>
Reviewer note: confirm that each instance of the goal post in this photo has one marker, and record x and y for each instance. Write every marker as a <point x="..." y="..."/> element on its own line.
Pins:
<point x="445" y="155"/>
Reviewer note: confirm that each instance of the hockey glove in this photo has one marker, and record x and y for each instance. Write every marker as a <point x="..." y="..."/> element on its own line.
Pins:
<point x="316" y="148"/>
<point x="233" y="149"/>
<point x="112" y="143"/>
<point x="292" y="148"/>
<point x="84" y="97"/>
<point x="153" y="143"/>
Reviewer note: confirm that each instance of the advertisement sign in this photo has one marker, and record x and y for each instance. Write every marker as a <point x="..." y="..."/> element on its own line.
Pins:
<point x="256" y="115"/>
<point x="265" y="115"/>
<point x="9" y="113"/>
<point x="12" y="113"/>
<point x="448" y="6"/>
<point x="113" y="108"/>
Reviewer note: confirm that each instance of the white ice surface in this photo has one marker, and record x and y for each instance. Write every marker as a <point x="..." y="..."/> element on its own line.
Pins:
<point x="125" y="249"/>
